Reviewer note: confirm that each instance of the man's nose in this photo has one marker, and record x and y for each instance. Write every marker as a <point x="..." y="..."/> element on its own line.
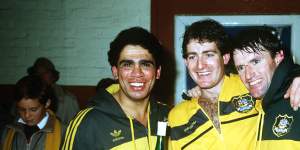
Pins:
<point x="27" y="114"/>
<point x="201" y="63"/>
<point x="137" y="70"/>
<point x="249" y="72"/>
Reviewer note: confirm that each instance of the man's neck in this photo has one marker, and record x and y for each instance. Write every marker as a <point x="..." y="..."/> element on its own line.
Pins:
<point x="137" y="109"/>
<point x="209" y="103"/>
<point x="213" y="92"/>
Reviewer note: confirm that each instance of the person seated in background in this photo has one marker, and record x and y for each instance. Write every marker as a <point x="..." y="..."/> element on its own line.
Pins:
<point x="37" y="128"/>
<point x="67" y="105"/>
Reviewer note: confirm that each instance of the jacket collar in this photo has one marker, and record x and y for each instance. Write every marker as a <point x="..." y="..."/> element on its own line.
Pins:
<point x="41" y="124"/>
<point x="104" y="101"/>
<point x="280" y="82"/>
<point x="49" y="127"/>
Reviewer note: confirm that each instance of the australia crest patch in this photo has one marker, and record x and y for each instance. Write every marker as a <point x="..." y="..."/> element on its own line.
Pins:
<point x="243" y="103"/>
<point x="282" y="125"/>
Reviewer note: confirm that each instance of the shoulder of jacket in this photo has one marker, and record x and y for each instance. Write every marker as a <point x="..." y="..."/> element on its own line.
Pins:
<point x="87" y="112"/>
<point x="180" y="108"/>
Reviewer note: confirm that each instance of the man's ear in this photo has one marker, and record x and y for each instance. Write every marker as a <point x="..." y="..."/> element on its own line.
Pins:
<point x="279" y="56"/>
<point x="226" y="58"/>
<point x="48" y="103"/>
<point x="114" y="70"/>
<point x="158" y="71"/>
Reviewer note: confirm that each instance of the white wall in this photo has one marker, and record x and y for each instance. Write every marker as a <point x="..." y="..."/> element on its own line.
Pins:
<point x="74" y="34"/>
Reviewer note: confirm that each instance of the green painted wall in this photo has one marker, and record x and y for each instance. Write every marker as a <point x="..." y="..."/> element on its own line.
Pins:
<point x="74" y="34"/>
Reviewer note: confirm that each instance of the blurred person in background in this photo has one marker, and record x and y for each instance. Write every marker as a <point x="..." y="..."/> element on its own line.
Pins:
<point x="37" y="128"/>
<point x="67" y="105"/>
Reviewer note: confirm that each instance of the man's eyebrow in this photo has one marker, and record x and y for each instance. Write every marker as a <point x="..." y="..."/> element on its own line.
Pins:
<point x="206" y="51"/>
<point x="125" y="61"/>
<point x="211" y="51"/>
<point x="191" y="53"/>
<point x="255" y="59"/>
<point x="147" y="61"/>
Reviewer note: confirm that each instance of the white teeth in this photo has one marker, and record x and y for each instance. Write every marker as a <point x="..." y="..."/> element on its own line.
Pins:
<point x="137" y="84"/>
<point x="254" y="82"/>
<point x="203" y="73"/>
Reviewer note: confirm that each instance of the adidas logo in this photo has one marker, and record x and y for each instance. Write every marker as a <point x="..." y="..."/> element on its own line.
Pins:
<point x="116" y="134"/>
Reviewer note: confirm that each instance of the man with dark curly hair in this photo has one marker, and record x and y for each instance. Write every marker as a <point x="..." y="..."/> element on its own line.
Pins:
<point x="123" y="116"/>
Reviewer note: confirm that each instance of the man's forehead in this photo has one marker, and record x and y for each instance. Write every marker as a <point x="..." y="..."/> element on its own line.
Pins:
<point x="136" y="60"/>
<point x="201" y="40"/>
<point x="241" y="57"/>
<point x="202" y="47"/>
<point x="28" y="103"/>
<point x="250" y="51"/>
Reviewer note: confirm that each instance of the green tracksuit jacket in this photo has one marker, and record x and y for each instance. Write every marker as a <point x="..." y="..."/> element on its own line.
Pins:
<point x="104" y="125"/>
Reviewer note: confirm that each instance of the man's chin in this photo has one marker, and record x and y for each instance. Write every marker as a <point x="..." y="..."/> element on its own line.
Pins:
<point x="138" y="97"/>
<point x="256" y="95"/>
<point x="30" y="124"/>
<point x="205" y="86"/>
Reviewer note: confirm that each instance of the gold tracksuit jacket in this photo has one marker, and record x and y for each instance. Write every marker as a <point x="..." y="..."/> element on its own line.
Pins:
<point x="246" y="123"/>
<point x="192" y="130"/>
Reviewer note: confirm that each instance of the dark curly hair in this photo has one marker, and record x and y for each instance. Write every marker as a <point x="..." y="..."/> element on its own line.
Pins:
<point x="135" y="36"/>
<point x="207" y="31"/>
<point x="260" y="38"/>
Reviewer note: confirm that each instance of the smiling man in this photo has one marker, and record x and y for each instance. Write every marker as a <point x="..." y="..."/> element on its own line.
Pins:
<point x="123" y="116"/>
<point x="267" y="70"/>
<point x="212" y="121"/>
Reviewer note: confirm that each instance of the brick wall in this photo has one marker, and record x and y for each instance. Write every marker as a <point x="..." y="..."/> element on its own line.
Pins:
<point x="74" y="34"/>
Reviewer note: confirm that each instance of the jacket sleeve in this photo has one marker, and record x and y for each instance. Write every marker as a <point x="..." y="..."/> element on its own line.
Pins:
<point x="3" y="133"/>
<point x="78" y="135"/>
